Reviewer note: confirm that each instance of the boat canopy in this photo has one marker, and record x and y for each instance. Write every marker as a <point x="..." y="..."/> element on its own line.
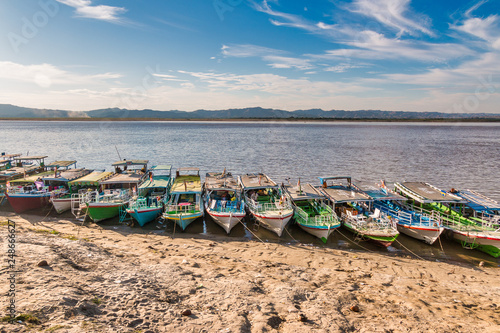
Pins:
<point x="61" y="164"/>
<point x="478" y="202"/>
<point x="162" y="168"/>
<point x="9" y="156"/>
<point x="324" y="180"/>
<point x="426" y="193"/>
<point x="186" y="184"/>
<point x="32" y="178"/>
<point x="66" y="175"/>
<point x="255" y="181"/>
<point x="161" y="181"/>
<point x="304" y="192"/>
<point x="130" y="162"/>
<point x="340" y="193"/>
<point x="30" y="158"/>
<point x="92" y="179"/>
<point x="378" y="193"/>
<point x="220" y="181"/>
<point x="123" y="178"/>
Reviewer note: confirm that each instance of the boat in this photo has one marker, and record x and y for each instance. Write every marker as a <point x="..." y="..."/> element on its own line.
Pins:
<point x="353" y="207"/>
<point x="15" y="167"/>
<point x="35" y="191"/>
<point x="448" y="207"/>
<point x="116" y="191"/>
<point x="266" y="201"/>
<point x="223" y="201"/>
<point x="420" y="225"/>
<point x="76" y="184"/>
<point x="185" y="202"/>
<point x="148" y="205"/>
<point x="480" y="208"/>
<point x="312" y="212"/>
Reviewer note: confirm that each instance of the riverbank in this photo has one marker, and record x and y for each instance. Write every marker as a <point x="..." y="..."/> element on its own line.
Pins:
<point x="122" y="279"/>
<point x="291" y="120"/>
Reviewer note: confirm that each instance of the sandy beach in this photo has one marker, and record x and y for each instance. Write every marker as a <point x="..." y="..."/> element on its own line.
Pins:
<point x="122" y="279"/>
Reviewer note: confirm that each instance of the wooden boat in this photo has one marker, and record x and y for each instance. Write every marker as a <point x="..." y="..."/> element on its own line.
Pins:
<point x="480" y="208"/>
<point x="116" y="191"/>
<point x="352" y="205"/>
<point x="15" y="167"/>
<point x="35" y="191"/>
<point x="185" y="202"/>
<point x="311" y="211"/>
<point x="148" y="205"/>
<point x="448" y="206"/>
<point x="266" y="201"/>
<point x="223" y="201"/>
<point x="416" y="224"/>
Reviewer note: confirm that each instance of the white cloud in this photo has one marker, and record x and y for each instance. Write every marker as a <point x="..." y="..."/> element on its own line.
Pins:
<point x="85" y="9"/>
<point x="394" y="14"/>
<point x="46" y="75"/>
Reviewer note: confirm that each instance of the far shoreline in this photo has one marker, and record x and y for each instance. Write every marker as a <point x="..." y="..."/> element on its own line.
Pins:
<point x="291" y="120"/>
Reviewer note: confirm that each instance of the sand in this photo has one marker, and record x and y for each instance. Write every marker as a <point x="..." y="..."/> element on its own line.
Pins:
<point x="122" y="279"/>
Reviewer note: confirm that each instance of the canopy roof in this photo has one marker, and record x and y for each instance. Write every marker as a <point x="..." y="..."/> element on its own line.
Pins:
<point x="478" y="202"/>
<point x="378" y="193"/>
<point x="9" y="156"/>
<point x="60" y="164"/>
<point x="162" y="167"/>
<point x="426" y="193"/>
<point x="123" y="178"/>
<point x="92" y="179"/>
<point x="30" y="158"/>
<point x="67" y="175"/>
<point x="340" y="193"/>
<point x="253" y="181"/>
<point x="130" y="162"/>
<point x="157" y="182"/>
<point x="186" y="184"/>
<point x="220" y="181"/>
<point x="32" y="178"/>
<point x="304" y="192"/>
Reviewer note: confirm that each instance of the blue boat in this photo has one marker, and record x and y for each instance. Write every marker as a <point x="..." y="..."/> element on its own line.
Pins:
<point x="152" y="194"/>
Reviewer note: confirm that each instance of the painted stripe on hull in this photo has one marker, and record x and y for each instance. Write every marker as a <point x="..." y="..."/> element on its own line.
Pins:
<point x="22" y="203"/>
<point x="183" y="221"/>
<point x="144" y="216"/>
<point x="226" y="221"/>
<point x="321" y="232"/>
<point x="427" y="235"/>
<point x="61" y="204"/>
<point x="384" y="240"/>
<point x="274" y="223"/>
<point x="489" y="245"/>
<point x="99" y="212"/>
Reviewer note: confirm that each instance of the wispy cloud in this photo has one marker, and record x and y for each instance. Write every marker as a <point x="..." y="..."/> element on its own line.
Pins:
<point x="85" y="9"/>
<point x="394" y="14"/>
<point x="47" y="75"/>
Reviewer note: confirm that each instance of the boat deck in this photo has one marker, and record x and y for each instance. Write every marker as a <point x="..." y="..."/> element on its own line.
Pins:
<point x="124" y="178"/>
<point x="342" y="193"/>
<point x="426" y="193"/>
<point x="186" y="184"/>
<point x="377" y="193"/>
<point x="304" y="192"/>
<point x="254" y="181"/>
<point x="479" y="202"/>
<point x="92" y="179"/>
<point x="218" y="181"/>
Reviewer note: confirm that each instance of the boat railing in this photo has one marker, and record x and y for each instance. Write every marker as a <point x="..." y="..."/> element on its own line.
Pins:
<point x="182" y="208"/>
<point x="361" y="222"/>
<point x="113" y="197"/>
<point x="259" y="207"/>
<point x="227" y="206"/>
<point x="410" y="216"/>
<point x="317" y="220"/>
<point x="143" y="202"/>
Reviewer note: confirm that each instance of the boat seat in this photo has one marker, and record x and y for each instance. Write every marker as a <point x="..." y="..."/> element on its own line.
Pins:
<point x="376" y="214"/>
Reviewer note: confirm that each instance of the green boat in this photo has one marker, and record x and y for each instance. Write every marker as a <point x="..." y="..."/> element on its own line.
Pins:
<point x="471" y="233"/>
<point x="116" y="191"/>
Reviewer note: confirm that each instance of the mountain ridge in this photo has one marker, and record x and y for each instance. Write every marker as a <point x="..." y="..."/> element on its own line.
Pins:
<point x="13" y="111"/>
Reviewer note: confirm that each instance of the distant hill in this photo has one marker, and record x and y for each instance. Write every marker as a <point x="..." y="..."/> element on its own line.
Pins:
<point x="12" y="111"/>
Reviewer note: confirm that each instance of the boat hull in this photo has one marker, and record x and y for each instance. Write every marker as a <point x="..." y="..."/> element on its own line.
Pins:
<point x="103" y="211"/>
<point x="322" y="232"/>
<point x="24" y="202"/>
<point x="226" y="220"/>
<point x="61" y="204"/>
<point x="143" y="216"/>
<point x="484" y="242"/>
<point x="274" y="221"/>
<point x="183" y="220"/>
<point x="384" y="239"/>
<point x="426" y="234"/>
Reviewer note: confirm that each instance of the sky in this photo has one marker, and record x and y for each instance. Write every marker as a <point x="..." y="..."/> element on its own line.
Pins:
<point x="216" y="54"/>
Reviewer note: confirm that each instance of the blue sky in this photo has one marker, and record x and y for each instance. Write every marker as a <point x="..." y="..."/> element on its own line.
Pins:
<point x="216" y="54"/>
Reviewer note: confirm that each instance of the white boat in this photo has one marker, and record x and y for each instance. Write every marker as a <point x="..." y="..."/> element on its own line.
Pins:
<point x="266" y="201"/>
<point x="223" y="200"/>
